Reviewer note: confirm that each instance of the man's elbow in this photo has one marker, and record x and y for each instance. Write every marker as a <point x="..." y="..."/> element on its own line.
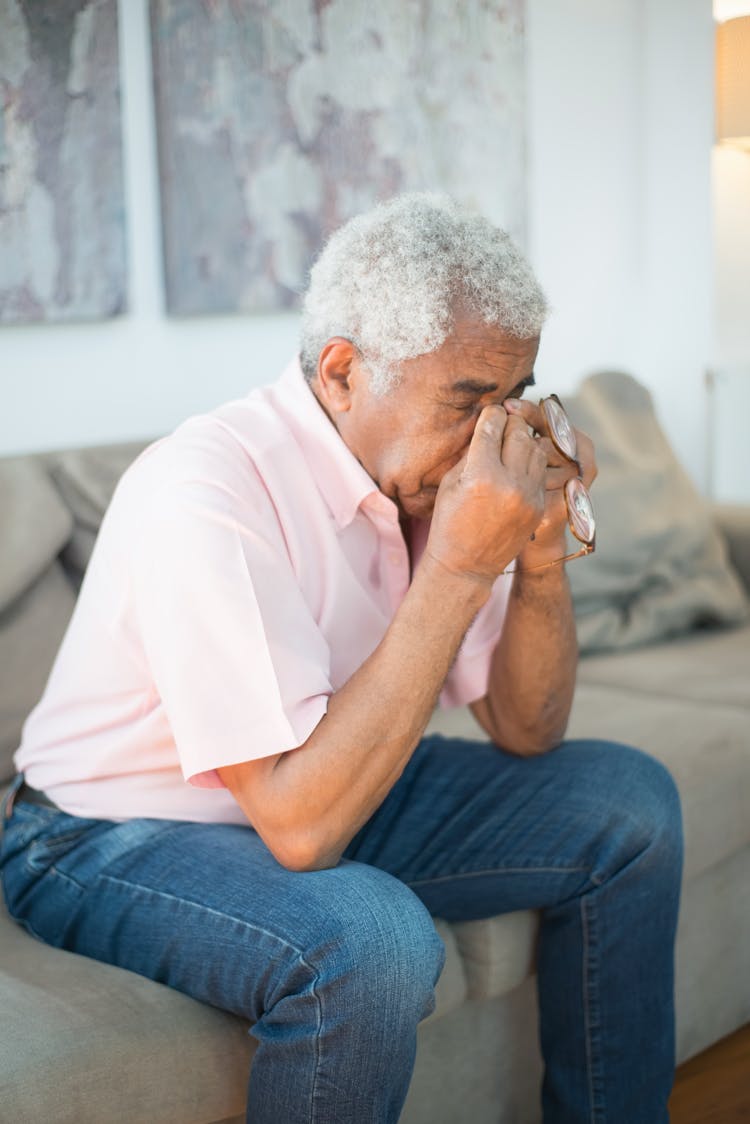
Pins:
<point x="303" y="853"/>
<point x="532" y="747"/>
<point x="532" y="741"/>
<point x="296" y="845"/>
<point x="541" y="733"/>
<point x="303" y="862"/>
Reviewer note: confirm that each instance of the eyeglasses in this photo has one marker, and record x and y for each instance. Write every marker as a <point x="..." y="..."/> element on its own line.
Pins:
<point x="577" y="499"/>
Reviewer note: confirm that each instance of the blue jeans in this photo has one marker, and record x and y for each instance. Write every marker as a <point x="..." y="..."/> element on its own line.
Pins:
<point x="335" y="968"/>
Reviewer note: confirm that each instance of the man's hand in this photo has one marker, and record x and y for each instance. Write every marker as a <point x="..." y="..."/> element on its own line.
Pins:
<point x="532" y="677"/>
<point x="492" y="501"/>
<point x="549" y="543"/>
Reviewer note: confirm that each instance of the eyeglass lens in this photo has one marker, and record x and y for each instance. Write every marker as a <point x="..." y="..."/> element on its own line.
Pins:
<point x="560" y="429"/>
<point x="578" y="501"/>
<point x="580" y="510"/>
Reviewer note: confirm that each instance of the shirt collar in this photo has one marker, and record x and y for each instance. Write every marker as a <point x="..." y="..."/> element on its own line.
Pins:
<point x="343" y="482"/>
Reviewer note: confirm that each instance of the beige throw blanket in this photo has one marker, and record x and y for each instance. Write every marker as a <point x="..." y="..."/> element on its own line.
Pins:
<point x="660" y="566"/>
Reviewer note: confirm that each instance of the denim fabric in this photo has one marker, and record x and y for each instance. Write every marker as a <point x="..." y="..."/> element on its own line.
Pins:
<point x="336" y="968"/>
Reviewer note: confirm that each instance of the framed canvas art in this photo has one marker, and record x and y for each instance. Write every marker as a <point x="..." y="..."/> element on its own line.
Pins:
<point x="62" y="232"/>
<point x="280" y="119"/>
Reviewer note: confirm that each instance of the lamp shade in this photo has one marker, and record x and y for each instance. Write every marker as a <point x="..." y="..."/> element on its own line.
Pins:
<point x="733" y="82"/>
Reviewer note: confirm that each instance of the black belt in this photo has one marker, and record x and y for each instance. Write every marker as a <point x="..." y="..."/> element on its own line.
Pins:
<point x="31" y="795"/>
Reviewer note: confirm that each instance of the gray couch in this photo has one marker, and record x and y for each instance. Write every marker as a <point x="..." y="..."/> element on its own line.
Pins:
<point x="668" y="669"/>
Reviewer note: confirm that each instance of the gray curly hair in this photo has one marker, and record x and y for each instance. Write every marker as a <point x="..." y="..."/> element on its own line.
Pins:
<point x="391" y="281"/>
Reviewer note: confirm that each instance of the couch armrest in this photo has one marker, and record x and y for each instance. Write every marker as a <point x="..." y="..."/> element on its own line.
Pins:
<point x="733" y="520"/>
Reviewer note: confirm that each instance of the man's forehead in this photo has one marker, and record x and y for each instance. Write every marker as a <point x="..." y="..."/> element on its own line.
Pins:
<point x="483" y="363"/>
<point x="474" y="360"/>
<point x="486" y="344"/>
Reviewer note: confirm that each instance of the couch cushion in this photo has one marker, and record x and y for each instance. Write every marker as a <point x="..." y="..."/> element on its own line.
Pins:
<point x="36" y="525"/>
<point x="713" y="959"/>
<point x="660" y="565"/>
<point x="31" y="629"/>
<point x="51" y="506"/>
<point x="709" y="666"/>
<point x="102" y="1036"/>
<point x="451" y="989"/>
<point x="85" y="480"/>
<point x="705" y="748"/>
<point x="498" y="953"/>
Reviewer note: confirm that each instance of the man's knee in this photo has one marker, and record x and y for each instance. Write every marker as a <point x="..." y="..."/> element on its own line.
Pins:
<point x="636" y="803"/>
<point x="384" y="941"/>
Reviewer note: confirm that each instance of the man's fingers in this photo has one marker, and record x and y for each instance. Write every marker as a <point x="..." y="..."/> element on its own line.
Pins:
<point x="499" y="440"/>
<point x="556" y="478"/>
<point x="530" y="412"/>
<point x="587" y="458"/>
<point x="555" y="459"/>
<point x="487" y="438"/>
<point x="520" y="449"/>
<point x="533" y="415"/>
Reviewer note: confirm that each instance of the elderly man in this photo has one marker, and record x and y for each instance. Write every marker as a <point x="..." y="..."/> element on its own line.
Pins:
<point x="227" y="787"/>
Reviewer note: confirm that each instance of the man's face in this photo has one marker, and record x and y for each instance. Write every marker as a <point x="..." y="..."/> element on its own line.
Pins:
<point x="410" y="437"/>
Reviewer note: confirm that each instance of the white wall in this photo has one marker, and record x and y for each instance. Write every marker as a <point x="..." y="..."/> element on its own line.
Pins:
<point x="621" y="111"/>
<point x="584" y="169"/>
<point x="619" y="135"/>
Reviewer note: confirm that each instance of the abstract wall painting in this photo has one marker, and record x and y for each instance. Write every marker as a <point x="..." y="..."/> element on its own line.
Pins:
<point x="62" y="230"/>
<point x="279" y="119"/>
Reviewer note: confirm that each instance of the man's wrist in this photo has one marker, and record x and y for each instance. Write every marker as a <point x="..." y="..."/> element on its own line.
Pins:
<point x="542" y="556"/>
<point x="454" y="587"/>
<point x="546" y="584"/>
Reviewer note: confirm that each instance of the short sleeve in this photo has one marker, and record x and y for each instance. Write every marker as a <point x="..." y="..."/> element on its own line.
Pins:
<point x="236" y="658"/>
<point x="468" y="678"/>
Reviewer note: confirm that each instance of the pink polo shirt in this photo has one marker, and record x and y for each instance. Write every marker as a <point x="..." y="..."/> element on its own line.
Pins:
<point x="246" y="567"/>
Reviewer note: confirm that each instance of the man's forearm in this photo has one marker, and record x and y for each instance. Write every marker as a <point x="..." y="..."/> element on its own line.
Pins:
<point x="329" y="787"/>
<point x="533" y="670"/>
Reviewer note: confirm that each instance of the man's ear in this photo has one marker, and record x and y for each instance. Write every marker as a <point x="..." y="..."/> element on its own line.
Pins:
<point x="337" y="362"/>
